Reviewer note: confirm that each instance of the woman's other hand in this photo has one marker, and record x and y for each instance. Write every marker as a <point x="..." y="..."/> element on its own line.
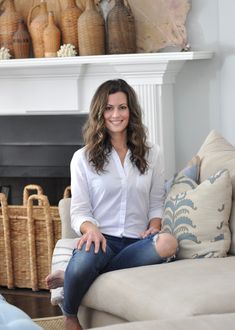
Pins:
<point x="148" y="232"/>
<point x="91" y="235"/>
<point x="153" y="228"/>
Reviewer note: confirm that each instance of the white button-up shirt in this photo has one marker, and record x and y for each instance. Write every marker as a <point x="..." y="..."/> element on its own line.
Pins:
<point x="120" y="201"/>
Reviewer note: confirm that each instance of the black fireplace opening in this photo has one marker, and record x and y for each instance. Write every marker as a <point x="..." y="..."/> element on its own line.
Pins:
<point x="37" y="149"/>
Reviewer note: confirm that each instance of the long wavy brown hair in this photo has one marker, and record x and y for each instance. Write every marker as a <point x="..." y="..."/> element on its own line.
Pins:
<point x="96" y="137"/>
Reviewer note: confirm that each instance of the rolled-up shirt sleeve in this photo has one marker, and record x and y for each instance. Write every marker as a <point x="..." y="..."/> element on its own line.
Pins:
<point x="157" y="192"/>
<point x="81" y="209"/>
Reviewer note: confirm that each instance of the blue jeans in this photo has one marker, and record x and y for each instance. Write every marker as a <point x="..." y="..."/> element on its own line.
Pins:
<point x="84" y="267"/>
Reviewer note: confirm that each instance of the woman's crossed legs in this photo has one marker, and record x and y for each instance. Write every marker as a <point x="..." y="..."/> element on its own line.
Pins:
<point x="84" y="267"/>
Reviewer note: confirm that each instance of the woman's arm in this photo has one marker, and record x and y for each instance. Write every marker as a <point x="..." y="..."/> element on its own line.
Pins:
<point x="157" y="191"/>
<point x="156" y="195"/>
<point x="81" y="209"/>
<point x="82" y="219"/>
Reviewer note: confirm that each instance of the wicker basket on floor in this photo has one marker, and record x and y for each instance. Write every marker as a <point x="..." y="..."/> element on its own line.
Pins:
<point x="28" y="234"/>
<point x="51" y="323"/>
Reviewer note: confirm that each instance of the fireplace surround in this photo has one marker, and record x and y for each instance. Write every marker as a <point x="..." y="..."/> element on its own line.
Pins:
<point x="38" y="93"/>
<point x="37" y="149"/>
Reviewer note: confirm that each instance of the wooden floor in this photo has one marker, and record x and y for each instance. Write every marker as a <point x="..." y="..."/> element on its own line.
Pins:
<point x="35" y="304"/>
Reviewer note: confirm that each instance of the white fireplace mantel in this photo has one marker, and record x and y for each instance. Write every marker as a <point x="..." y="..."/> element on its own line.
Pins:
<point x="66" y="85"/>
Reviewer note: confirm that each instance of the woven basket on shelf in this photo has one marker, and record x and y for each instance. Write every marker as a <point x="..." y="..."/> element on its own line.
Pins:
<point x="28" y="234"/>
<point x="121" y="34"/>
<point x="51" y="37"/>
<point x="21" y="41"/>
<point x="69" y="25"/>
<point x="36" y="27"/>
<point x="8" y="24"/>
<point x="91" y="31"/>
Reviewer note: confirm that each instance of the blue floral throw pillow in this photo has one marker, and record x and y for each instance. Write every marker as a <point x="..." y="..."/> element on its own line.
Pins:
<point x="198" y="215"/>
<point x="191" y="171"/>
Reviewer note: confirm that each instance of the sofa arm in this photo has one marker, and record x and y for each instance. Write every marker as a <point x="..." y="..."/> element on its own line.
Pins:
<point x="61" y="255"/>
<point x="64" y="247"/>
<point x="64" y="211"/>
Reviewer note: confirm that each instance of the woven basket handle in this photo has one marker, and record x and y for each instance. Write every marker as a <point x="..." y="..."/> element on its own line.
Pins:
<point x="1" y="3"/>
<point x="128" y="7"/>
<point x="67" y="192"/>
<point x="27" y="190"/>
<point x="30" y="14"/>
<point x="7" y="241"/>
<point x="43" y="200"/>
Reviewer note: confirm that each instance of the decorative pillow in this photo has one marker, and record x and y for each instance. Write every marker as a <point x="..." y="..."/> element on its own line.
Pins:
<point x="198" y="217"/>
<point x="191" y="170"/>
<point x="217" y="153"/>
<point x="13" y="318"/>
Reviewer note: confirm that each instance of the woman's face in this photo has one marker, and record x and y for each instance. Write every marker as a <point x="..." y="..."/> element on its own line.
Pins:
<point x="116" y="114"/>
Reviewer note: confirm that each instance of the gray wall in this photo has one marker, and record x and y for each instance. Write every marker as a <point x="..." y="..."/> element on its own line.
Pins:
<point x="204" y="92"/>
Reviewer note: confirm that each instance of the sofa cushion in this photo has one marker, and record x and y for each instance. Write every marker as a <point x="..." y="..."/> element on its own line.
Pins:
<point x="176" y="289"/>
<point x="198" y="217"/>
<point x="204" y="322"/>
<point x="217" y="153"/>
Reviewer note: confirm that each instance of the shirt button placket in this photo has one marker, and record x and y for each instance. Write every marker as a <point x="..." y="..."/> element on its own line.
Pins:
<point x="123" y="204"/>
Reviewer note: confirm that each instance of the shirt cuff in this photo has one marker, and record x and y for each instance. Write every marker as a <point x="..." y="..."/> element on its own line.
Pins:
<point x="155" y="214"/>
<point x="77" y="222"/>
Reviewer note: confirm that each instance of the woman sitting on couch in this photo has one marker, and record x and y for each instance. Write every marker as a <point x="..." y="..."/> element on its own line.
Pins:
<point x="117" y="185"/>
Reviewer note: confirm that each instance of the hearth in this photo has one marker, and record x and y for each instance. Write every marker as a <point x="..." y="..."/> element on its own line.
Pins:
<point x="37" y="149"/>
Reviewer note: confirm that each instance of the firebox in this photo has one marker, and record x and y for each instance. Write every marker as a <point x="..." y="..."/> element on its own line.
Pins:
<point x="37" y="149"/>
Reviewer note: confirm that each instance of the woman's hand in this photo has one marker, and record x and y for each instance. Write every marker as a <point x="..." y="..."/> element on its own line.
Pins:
<point x="149" y="231"/>
<point x="91" y="234"/>
<point x="153" y="228"/>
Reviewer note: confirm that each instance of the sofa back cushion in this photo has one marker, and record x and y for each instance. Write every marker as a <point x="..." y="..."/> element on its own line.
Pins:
<point x="197" y="215"/>
<point x="217" y="153"/>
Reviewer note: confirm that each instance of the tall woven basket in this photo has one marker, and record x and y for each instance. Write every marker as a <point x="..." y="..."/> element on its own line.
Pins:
<point x="68" y="24"/>
<point x="121" y="34"/>
<point x="8" y="24"/>
<point x="28" y="234"/>
<point x="91" y="31"/>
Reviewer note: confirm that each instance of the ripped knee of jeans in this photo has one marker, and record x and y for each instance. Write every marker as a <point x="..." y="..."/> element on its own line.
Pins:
<point x="166" y="245"/>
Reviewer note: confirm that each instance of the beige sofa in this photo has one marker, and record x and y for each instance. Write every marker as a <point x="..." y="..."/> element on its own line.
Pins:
<point x="195" y="293"/>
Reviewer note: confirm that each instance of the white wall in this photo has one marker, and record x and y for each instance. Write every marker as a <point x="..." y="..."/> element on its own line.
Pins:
<point x="227" y="67"/>
<point x="204" y="93"/>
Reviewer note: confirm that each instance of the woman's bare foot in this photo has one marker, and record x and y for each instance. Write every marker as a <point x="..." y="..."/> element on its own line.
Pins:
<point x="72" y="323"/>
<point x="55" y="280"/>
